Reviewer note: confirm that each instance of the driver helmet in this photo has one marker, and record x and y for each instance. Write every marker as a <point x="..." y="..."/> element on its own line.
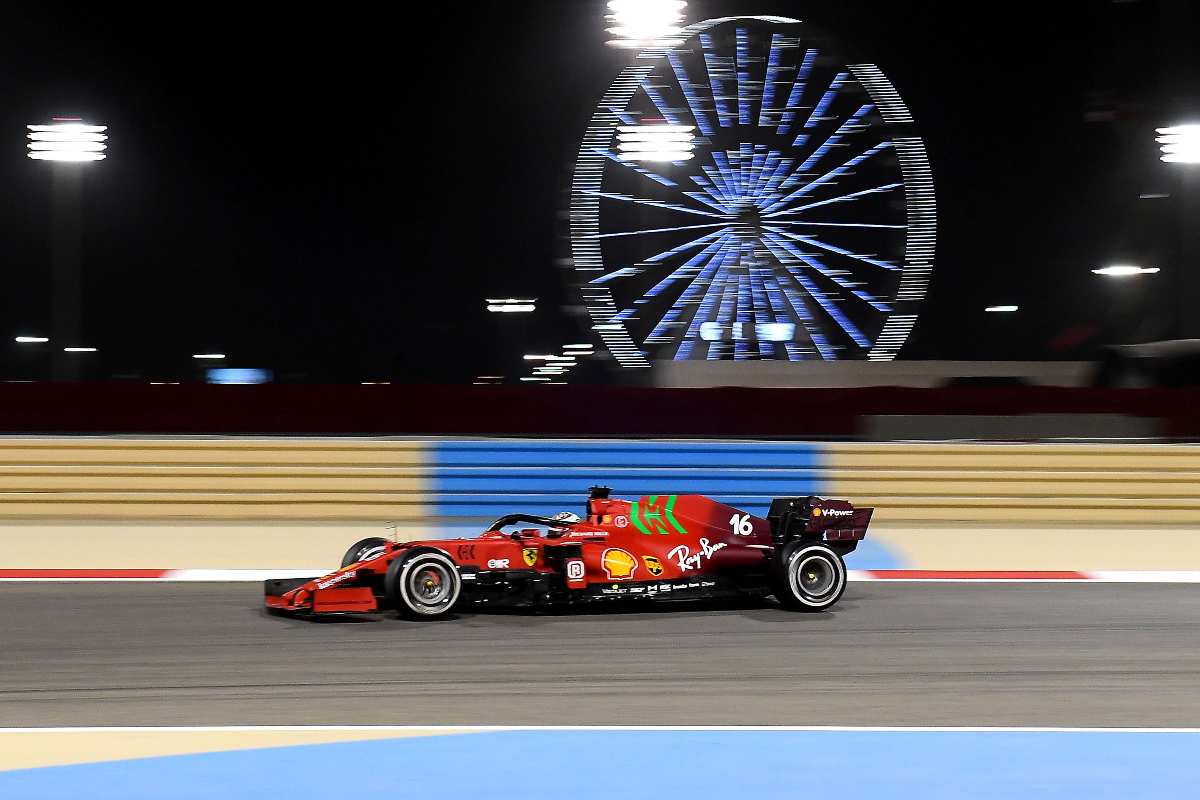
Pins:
<point x="565" y="516"/>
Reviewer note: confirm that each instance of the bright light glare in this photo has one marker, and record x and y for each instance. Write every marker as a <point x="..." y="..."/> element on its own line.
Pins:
<point x="59" y="155"/>
<point x="32" y="339"/>
<point x="655" y="142"/>
<point x="209" y="355"/>
<point x="70" y="141"/>
<point x="74" y="127"/>
<point x="79" y="350"/>
<point x="511" y="305"/>
<point x="1002" y="309"/>
<point x="567" y="359"/>
<point x="646" y="23"/>
<point x="1122" y="271"/>
<point x="775" y="331"/>
<point x="1180" y="144"/>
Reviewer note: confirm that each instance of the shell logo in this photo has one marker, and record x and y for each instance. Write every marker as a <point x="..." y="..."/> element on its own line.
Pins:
<point x="618" y="564"/>
<point x="816" y="512"/>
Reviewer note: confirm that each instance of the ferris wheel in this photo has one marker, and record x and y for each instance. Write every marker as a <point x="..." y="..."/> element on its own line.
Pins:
<point x="747" y="195"/>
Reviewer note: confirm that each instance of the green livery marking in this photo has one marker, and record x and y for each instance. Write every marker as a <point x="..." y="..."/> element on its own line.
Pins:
<point x="635" y="513"/>
<point x="644" y="518"/>
<point x="671" y="515"/>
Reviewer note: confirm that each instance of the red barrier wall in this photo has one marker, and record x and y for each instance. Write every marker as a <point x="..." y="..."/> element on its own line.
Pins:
<point x="544" y="410"/>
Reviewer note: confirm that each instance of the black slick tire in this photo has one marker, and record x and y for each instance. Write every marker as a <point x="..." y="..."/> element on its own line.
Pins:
<point x="423" y="586"/>
<point x="809" y="577"/>
<point x="362" y="550"/>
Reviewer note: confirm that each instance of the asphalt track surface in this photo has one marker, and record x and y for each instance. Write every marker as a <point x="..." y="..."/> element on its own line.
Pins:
<point x="889" y="654"/>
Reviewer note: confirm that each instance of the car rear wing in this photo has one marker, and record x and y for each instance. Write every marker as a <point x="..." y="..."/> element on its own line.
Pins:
<point x="816" y="518"/>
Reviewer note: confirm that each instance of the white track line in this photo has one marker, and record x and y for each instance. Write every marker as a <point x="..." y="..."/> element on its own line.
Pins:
<point x="602" y="728"/>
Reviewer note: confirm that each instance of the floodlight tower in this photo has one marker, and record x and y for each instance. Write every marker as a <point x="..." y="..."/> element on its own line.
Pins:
<point x="68" y="145"/>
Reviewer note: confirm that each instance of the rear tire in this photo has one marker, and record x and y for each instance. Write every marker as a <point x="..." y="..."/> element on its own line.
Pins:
<point x="359" y="551"/>
<point x="423" y="586"/>
<point x="811" y="577"/>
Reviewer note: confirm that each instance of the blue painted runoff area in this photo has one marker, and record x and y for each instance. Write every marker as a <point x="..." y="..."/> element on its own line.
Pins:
<point x="492" y="478"/>
<point x="604" y="765"/>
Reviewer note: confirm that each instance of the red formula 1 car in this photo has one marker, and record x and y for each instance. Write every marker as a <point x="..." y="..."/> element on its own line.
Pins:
<point x="672" y="547"/>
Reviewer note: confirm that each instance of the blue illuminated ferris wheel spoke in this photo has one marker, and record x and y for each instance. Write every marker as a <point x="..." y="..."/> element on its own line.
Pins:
<point x="837" y="224"/>
<point x="656" y="98"/>
<point x="655" y="203"/>
<point x="727" y="190"/>
<point x="833" y="275"/>
<point x="708" y="194"/>
<point x="724" y="313"/>
<point x="609" y="154"/>
<point x="814" y="291"/>
<point x="767" y="162"/>
<point x="743" y="77"/>
<point x="818" y="112"/>
<point x="834" y="249"/>
<point x="768" y="96"/>
<point x="663" y="256"/>
<point x="741" y="316"/>
<point x="690" y="267"/>
<point x="777" y="298"/>
<point x="708" y="200"/>
<point x="887" y="187"/>
<point x="712" y="292"/>
<point x="766" y="195"/>
<point x="827" y="177"/>
<point x="683" y="248"/>
<point x="807" y="321"/>
<point x="716" y="73"/>
<point x="730" y="176"/>
<point x="744" y="156"/>
<point x="851" y="126"/>
<point x="759" y="165"/>
<point x="793" y="101"/>
<point x="701" y="279"/>
<point x="689" y="94"/>
<point x="762" y="306"/>
<point x="657" y="230"/>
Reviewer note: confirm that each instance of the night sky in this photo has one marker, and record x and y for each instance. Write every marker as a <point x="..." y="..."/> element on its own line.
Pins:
<point x="331" y="198"/>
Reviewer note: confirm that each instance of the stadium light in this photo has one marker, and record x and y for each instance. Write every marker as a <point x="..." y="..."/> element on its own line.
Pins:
<point x="67" y="139"/>
<point x="1002" y="309"/>
<point x="1180" y="144"/>
<point x="656" y="142"/>
<point x="638" y="24"/>
<point x="1124" y="271"/>
<point x="212" y="356"/>
<point x="512" y="305"/>
<point x="79" y="350"/>
<point x="31" y="340"/>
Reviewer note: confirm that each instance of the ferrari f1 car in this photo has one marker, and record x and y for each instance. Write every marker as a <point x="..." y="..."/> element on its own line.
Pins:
<point x="672" y="547"/>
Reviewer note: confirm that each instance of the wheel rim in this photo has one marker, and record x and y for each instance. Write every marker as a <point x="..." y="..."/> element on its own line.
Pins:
<point x="816" y="576"/>
<point x="429" y="586"/>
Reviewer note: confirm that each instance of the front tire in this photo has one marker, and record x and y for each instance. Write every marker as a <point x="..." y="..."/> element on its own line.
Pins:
<point x="423" y="586"/>
<point x="811" y="577"/>
<point x="363" y="550"/>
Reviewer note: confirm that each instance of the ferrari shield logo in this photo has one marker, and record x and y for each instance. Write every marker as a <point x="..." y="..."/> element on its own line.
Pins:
<point x="530" y="555"/>
<point x="653" y="565"/>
